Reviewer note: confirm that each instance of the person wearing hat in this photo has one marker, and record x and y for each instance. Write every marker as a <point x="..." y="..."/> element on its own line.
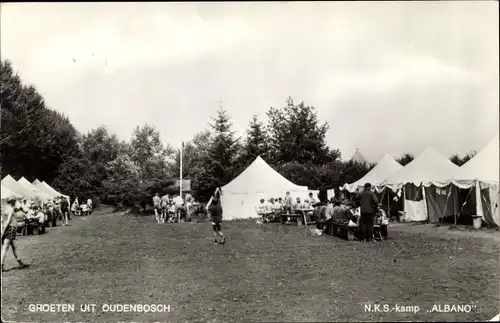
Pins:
<point x="368" y="206"/>
<point x="9" y="230"/>
<point x="215" y="210"/>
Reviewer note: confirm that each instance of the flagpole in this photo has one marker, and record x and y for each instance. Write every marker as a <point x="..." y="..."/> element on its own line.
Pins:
<point x="180" y="183"/>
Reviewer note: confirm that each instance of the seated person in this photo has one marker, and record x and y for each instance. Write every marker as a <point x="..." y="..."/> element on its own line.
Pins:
<point x="263" y="210"/>
<point x="342" y="213"/>
<point x="337" y="212"/>
<point x="280" y="201"/>
<point x="313" y="201"/>
<point x="298" y="204"/>
<point x="36" y="214"/>
<point x="277" y="206"/>
<point x="325" y="217"/>
<point x="270" y="203"/>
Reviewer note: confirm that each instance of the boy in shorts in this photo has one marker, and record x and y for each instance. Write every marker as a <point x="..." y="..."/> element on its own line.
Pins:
<point x="9" y="230"/>
<point x="216" y="215"/>
<point x="65" y="209"/>
<point x="156" y="206"/>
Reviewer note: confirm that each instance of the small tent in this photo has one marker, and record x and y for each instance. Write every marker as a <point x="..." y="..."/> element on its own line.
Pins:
<point x="384" y="168"/>
<point x="358" y="157"/>
<point x="422" y="172"/>
<point x="16" y="188"/>
<point x="36" y="181"/>
<point x="39" y="193"/>
<point x="259" y="180"/>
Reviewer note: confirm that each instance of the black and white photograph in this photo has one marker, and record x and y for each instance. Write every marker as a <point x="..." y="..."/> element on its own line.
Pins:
<point x="281" y="161"/>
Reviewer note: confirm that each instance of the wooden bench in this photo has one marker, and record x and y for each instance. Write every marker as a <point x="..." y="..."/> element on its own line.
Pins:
<point x="344" y="231"/>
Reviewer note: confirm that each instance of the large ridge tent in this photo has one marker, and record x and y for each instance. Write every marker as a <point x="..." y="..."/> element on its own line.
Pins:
<point x="257" y="181"/>
<point x="384" y="168"/>
<point x="39" y="193"/>
<point x="430" y="166"/>
<point x="44" y="189"/>
<point x="10" y="183"/>
<point x="481" y="176"/>
<point x="7" y="193"/>
<point x="48" y="188"/>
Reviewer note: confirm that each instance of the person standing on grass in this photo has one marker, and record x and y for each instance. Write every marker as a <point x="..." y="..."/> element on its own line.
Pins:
<point x="65" y="209"/>
<point x="368" y="205"/>
<point x="164" y="201"/>
<point x="9" y="230"/>
<point x="179" y="203"/>
<point x="288" y="203"/>
<point x="216" y="215"/>
<point x="156" y="206"/>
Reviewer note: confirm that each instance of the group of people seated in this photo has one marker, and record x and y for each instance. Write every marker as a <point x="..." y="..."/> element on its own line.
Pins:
<point x="33" y="215"/>
<point x="271" y="209"/>
<point x="363" y="212"/>
<point x="172" y="209"/>
<point x="81" y="209"/>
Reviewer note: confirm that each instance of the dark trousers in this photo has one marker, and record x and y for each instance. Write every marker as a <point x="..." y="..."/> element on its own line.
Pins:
<point x="366" y="226"/>
<point x="52" y="216"/>
<point x="324" y="225"/>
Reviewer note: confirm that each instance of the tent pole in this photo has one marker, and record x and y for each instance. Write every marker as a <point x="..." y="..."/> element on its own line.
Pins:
<point x="388" y="205"/>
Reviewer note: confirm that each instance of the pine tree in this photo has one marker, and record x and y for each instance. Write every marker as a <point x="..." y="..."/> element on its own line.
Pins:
<point x="223" y="149"/>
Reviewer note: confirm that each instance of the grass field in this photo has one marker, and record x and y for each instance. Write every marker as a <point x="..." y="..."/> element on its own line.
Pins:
<point x="267" y="273"/>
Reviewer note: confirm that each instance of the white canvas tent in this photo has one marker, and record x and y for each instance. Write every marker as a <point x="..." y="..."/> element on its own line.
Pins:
<point x="384" y="168"/>
<point x="422" y="172"/>
<point x="39" y="193"/>
<point x="6" y="193"/>
<point x="482" y="174"/>
<point x="16" y="188"/>
<point x="257" y="181"/>
<point x="45" y="189"/>
<point x="53" y="191"/>
<point x="483" y="167"/>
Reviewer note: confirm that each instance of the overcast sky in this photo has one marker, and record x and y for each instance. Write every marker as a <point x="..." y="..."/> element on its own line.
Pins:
<point x="388" y="77"/>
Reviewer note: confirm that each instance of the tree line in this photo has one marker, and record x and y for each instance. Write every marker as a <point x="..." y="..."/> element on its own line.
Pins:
<point x="37" y="142"/>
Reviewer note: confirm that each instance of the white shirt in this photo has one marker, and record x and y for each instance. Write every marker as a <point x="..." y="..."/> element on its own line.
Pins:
<point x="275" y="206"/>
<point x="178" y="201"/>
<point x="313" y="200"/>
